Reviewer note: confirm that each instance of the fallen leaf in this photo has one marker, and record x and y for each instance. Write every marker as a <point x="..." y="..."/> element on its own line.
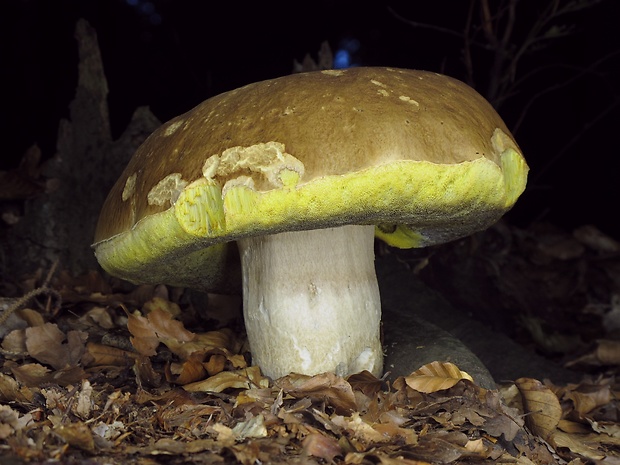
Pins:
<point x="436" y="376"/>
<point x="159" y="303"/>
<point x="324" y="387"/>
<point x="104" y="355"/>
<point x="252" y="428"/>
<point x="365" y="382"/>
<point x="35" y="375"/>
<point x="78" y="435"/>
<point x="200" y="343"/>
<point x="575" y="443"/>
<point x="31" y="317"/>
<point x="361" y="430"/>
<point x="542" y="407"/>
<point x="608" y="352"/>
<point x="46" y="344"/>
<point x="587" y="397"/>
<point x="15" y="342"/>
<point x="190" y="371"/>
<point x="241" y="379"/>
<point x="321" y="446"/>
<point x="158" y="326"/>
<point x="11" y="391"/>
<point x="441" y="447"/>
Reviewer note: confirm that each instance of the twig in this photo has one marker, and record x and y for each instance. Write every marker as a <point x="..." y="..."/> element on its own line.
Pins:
<point x="433" y="27"/>
<point x="44" y="289"/>
<point x="590" y="69"/>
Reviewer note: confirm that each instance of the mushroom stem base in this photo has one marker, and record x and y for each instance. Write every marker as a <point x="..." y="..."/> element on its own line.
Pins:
<point x="311" y="301"/>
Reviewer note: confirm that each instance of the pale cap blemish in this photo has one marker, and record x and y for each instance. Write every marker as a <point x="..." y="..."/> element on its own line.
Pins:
<point x="209" y="169"/>
<point x="333" y="72"/>
<point x="378" y="83"/>
<point x="167" y="190"/>
<point x="130" y="187"/>
<point x="172" y="128"/>
<point x="404" y="98"/>
<point x="258" y="163"/>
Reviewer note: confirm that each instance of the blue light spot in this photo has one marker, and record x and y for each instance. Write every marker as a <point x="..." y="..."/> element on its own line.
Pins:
<point x="342" y="59"/>
<point x="347" y="53"/>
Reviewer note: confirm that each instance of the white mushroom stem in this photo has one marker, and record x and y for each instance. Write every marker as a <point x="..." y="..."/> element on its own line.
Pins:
<point x="311" y="301"/>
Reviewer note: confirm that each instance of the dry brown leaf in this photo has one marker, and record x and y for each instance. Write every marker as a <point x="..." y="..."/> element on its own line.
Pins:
<point x="361" y="430"/>
<point x="225" y="435"/>
<point x="436" y="376"/>
<point x="508" y="425"/>
<point x="158" y="326"/>
<point x="386" y="460"/>
<point x="78" y="435"/>
<point x="190" y="371"/>
<point x="11" y="391"/>
<point x="608" y="352"/>
<point x="15" y="342"/>
<point x="573" y="427"/>
<point x="201" y="343"/>
<point x="100" y="316"/>
<point x="575" y="443"/>
<point x="215" y="364"/>
<point x="41" y="342"/>
<point x="46" y="344"/>
<point x="169" y="446"/>
<point x="252" y="428"/>
<point x="145" y="373"/>
<point x="542" y="407"/>
<point x="441" y="447"/>
<point x="35" y="375"/>
<point x="167" y="327"/>
<point x="241" y="379"/>
<point x="144" y="338"/>
<point x="31" y="317"/>
<point x="159" y="303"/>
<point x="324" y="387"/>
<point x="8" y="421"/>
<point x="396" y="433"/>
<point x="104" y="355"/>
<point x="365" y="382"/>
<point x="477" y="446"/>
<point x="11" y="421"/>
<point x="319" y="445"/>
<point x="587" y="397"/>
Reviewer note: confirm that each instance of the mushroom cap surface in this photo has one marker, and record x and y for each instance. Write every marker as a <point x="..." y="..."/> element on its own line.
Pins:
<point x="421" y="155"/>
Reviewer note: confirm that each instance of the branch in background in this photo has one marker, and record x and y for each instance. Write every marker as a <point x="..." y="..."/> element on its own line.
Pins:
<point x="582" y="72"/>
<point x="44" y="289"/>
<point x="507" y="52"/>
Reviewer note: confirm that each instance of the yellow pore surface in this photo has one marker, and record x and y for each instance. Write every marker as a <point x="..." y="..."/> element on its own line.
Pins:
<point x="414" y="203"/>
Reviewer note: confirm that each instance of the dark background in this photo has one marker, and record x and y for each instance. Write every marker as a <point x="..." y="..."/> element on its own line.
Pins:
<point x="172" y="54"/>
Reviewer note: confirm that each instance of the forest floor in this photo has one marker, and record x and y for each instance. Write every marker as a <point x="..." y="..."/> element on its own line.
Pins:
<point x="94" y="371"/>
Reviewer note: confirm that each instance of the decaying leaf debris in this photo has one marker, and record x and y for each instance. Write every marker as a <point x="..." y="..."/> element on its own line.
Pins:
<point x="136" y="376"/>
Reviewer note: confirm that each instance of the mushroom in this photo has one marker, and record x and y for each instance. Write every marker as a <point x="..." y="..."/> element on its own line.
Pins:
<point x="294" y="177"/>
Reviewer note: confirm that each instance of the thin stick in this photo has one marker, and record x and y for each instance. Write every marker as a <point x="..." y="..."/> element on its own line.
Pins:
<point x="44" y="289"/>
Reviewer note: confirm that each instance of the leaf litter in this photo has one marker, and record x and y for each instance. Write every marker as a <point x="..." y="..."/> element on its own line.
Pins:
<point x="138" y="376"/>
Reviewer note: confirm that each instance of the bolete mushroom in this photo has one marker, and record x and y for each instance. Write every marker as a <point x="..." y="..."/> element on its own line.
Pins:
<point x="301" y="173"/>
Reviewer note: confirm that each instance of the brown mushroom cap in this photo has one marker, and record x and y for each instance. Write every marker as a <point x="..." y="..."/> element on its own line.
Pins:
<point x="419" y="154"/>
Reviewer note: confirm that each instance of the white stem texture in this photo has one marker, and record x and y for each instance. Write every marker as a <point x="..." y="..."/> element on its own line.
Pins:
<point x="311" y="301"/>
